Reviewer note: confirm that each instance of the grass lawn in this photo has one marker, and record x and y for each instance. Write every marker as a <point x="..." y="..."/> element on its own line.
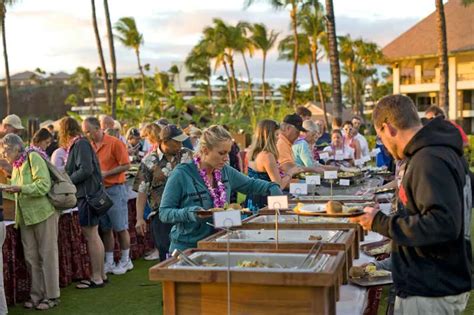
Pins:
<point x="131" y="293"/>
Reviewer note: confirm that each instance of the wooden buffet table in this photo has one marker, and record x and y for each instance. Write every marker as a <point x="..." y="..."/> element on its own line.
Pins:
<point x="201" y="290"/>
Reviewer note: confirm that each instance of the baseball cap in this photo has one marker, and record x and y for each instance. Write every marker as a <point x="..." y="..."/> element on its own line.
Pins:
<point x="294" y="120"/>
<point x="14" y="121"/>
<point x="171" y="132"/>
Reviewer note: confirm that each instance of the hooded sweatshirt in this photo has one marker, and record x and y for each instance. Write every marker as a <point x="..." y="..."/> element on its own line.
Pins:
<point x="431" y="241"/>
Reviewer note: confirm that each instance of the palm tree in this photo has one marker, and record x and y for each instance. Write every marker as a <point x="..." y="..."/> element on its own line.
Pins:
<point x="198" y="63"/>
<point x="130" y="89"/>
<point x="244" y="44"/>
<point x="229" y="36"/>
<point x="113" y="61"/>
<point x="286" y="48"/>
<point x="213" y="45"/>
<point x="174" y="71"/>
<point x="130" y="37"/>
<point x="334" y="60"/>
<point x="359" y="59"/>
<point x="442" y="57"/>
<point x="263" y="40"/>
<point x="311" y="19"/>
<point x="3" y="14"/>
<point x="280" y="4"/>
<point x="85" y="80"/>
<point x="103" y="68"/>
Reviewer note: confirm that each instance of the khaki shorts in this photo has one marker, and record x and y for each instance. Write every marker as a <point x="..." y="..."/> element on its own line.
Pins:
<point x="421" y="305"/>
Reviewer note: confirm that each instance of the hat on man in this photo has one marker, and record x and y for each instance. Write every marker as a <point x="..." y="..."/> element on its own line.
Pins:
<point x="171" y="132"/>
<point x="14" y="121"/>
<point x="294" y="120"/>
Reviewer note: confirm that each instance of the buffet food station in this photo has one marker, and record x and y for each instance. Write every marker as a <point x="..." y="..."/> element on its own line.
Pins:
<point x="293" y="259"/>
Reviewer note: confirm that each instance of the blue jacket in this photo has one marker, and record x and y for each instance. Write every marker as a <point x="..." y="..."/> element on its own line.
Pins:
<point x="185" y="192"/>
<point x="302" y="153"/>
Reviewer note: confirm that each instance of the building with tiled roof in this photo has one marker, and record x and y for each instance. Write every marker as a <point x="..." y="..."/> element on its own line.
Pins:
<point x="413" y="56"/>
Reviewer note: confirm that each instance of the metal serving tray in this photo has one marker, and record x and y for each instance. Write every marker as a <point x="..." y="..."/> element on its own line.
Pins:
<point x="284" y="236"/>
<point x="274" y="262"/>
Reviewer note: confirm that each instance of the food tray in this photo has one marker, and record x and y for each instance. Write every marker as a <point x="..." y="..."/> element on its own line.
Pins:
<point x="372" y="281"/>
<point x="332" y="215"/>
<point x="367" y="248"/>
<point x="336" y="198"/>
<point x="384" y="191"/>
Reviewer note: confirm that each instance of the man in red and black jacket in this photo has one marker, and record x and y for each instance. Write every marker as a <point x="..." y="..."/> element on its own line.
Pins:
<point x="431" y="235"/>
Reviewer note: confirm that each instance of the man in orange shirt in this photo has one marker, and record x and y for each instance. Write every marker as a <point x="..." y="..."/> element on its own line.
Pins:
<point x="114" y="161"/>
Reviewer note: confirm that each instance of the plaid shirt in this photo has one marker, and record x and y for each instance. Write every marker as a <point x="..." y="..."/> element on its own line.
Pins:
<point x="154" y="171"/>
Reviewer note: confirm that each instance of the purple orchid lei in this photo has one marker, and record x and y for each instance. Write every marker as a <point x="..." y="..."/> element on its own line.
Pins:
<point x="22" y="158"/>
<point x="218" y="194"/>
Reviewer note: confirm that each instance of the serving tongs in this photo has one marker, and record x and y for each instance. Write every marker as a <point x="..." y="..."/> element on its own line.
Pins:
<point x="315" y="249"/>
<point x="335" y="237"/>
<point x="178" y="254"/>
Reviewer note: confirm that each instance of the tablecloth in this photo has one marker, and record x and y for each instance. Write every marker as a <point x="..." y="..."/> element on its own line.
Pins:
<point x="74" y="262"/>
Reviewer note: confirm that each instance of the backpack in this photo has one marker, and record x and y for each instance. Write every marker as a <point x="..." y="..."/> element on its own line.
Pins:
<point x="62" y="194"/>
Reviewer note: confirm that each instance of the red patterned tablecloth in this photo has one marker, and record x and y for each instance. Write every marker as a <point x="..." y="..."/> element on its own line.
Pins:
<point x="74" y="261"/>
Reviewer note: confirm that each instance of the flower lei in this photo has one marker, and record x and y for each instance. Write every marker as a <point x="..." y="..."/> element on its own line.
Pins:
<point x="218" y="194"/>
<point x="23" y="156"/>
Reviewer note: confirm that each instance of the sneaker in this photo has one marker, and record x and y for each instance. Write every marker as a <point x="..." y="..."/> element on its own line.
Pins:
<point x="121" y="268"/>
<point x="155" y="255"/>
<point x="109" y="268"/>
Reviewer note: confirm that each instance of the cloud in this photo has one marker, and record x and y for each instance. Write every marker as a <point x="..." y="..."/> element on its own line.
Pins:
<point x="57" y="40"/>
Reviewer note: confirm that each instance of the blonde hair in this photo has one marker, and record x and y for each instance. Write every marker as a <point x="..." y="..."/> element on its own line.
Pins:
<point x="264" y="139"/>
<point x="212" y="136"/>
<point x="152" y="132"/>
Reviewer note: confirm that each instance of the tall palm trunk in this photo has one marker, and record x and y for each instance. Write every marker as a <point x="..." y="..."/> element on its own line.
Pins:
<point x="334" y="61"/>
<point x="229" y="88"/>
<point x="313" y="87"/>
<point x="248" y="74"/>
<point x="113" y="61"/>
<point x="142" y="74"/>
<point x="101" y="55"/>
<point x="442" y="58"/>
<point x="5" y="58"/>
<point x="209" y="95"/>
<point x="264" y="89"/>
<point x="314" y="50"/>
<point x="234" y="81"/>
<point x="93" y="103"/>
<point x="295" y="53"/>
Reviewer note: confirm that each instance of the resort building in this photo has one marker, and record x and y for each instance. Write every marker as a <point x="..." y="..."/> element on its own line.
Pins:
<point x="414" y="60"/>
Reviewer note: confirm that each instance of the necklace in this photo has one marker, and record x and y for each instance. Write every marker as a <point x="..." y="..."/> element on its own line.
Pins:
<point x="22" y="158"/>
<point x="218" y="194"/>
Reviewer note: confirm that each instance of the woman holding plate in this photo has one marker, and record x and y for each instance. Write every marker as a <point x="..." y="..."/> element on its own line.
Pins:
<point x="203" y="184"/>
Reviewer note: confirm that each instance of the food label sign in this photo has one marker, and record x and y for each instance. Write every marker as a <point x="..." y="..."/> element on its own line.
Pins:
<point x="227" y="219"/>
<point x="277" y="202"/>
<point x="298" y="189"/>
<point x="330" y="174"/>
<point x="313" y="180"/>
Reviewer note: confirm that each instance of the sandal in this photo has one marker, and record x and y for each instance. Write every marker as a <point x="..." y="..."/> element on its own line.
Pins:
<point x="89" y="284"/>
<point x="30" y="304"/>
<point x="47" y="304"/>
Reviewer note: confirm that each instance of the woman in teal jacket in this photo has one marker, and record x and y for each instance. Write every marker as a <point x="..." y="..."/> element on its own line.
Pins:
<point x="203" y="184"/>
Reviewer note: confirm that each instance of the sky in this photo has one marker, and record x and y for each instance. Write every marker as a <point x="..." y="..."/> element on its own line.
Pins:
<point x="57" y="35"/>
